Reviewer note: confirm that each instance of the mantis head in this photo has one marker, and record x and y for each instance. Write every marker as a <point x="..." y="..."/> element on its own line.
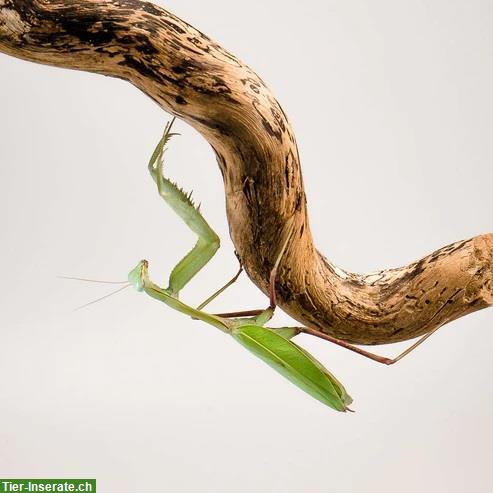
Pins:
<point x="138" y="275"/>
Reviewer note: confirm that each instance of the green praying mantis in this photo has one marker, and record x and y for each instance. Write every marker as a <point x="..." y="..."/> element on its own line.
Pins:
<point x="272" y="345"/>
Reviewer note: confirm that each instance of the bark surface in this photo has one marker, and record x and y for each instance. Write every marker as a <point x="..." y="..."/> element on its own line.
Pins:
<point x="192" y="77"/>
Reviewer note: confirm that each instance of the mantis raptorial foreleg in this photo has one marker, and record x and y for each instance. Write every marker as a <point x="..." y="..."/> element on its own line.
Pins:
<point x="208" y="242"/>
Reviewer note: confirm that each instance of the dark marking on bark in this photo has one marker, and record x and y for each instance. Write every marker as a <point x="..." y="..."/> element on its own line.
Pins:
<point x="409" y="275"/>
<point x="142" y="68"/>
<point x="277" y="114"/>
<point x="144" y="45"/>
<point x="174" y="26"/>
<point x="151" y="9"/>
<point x="276" y="133"/>
<point x="198" y="43"/>
<point x="284" y="289"/>
<point x="104" y="51"/>
<point x="298" y="201"/>
<point x="219" y="88"/>
<point x="221" y="161"/>
<point x="207" y="122"/>
<point x="127" y="39"/>
<point x="88" y="28"/>
<point x="446" y="250"/>
<point x="143" y="7"/>
<point x="270" y="130"/>
<point x="286" y="174"/>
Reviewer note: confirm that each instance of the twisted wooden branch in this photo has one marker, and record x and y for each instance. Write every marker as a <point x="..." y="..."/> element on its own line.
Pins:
<point x="189" y="75"/>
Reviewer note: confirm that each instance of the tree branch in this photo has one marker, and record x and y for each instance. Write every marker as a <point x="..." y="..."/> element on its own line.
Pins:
<point x="192" y="77"/>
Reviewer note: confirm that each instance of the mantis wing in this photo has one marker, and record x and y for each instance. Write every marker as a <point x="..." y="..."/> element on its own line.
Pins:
<point x="295" y="364"/>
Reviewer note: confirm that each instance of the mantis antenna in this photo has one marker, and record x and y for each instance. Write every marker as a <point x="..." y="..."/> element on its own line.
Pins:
<point x="98" y="281"/>
<point x="102" y="297"/>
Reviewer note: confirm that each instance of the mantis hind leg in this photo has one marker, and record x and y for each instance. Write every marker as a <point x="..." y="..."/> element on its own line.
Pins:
<point x="375" y="357"/>
<point x="208" y="242"/>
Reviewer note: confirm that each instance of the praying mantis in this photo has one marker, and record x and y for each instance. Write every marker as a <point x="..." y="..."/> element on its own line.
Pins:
<point x="272" y="345"/>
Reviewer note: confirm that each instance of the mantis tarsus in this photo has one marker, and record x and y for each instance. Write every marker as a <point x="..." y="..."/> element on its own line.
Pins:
<point x="273" y="345"/>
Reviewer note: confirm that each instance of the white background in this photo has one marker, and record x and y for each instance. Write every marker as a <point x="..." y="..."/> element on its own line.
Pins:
<point x="391" y="103"/>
